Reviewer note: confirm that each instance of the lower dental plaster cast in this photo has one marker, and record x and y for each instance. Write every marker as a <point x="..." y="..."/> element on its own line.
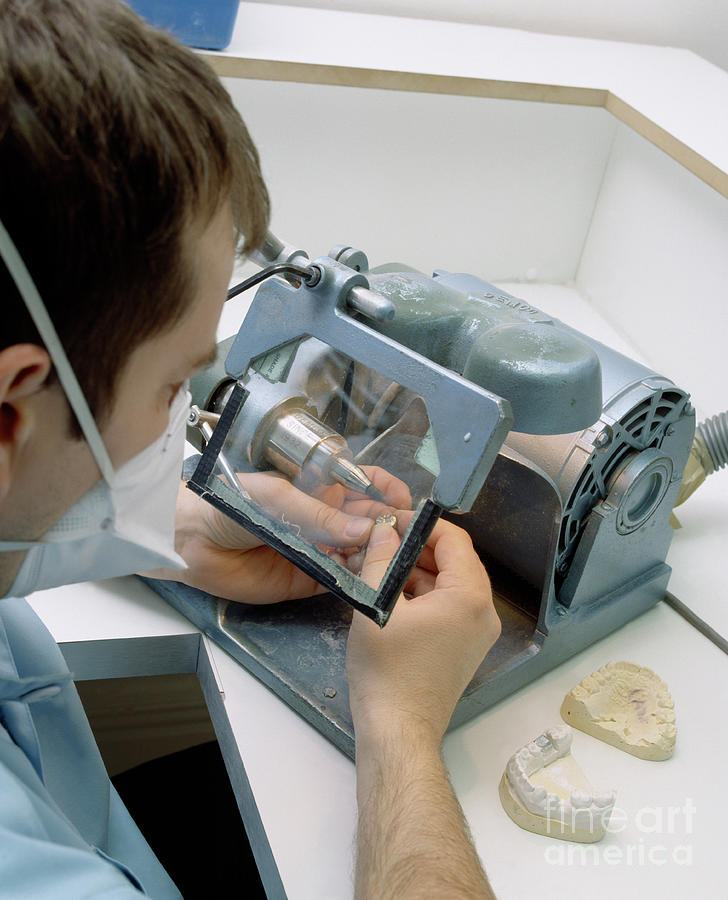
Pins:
<point x="544" y="791"/>
<point x="625" y="705"/>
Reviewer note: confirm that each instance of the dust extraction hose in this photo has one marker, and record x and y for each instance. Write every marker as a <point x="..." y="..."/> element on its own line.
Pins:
<point x="714" y="434"/>
<point x="708" y="454"/>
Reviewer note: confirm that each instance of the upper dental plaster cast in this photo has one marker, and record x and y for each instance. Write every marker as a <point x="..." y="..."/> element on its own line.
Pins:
<point x="625" y="705"/>
<point x="543" y="790"/>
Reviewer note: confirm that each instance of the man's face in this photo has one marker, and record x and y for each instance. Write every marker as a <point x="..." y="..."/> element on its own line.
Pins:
<point x="157" y="368"/>
<point x="50" y="470"/>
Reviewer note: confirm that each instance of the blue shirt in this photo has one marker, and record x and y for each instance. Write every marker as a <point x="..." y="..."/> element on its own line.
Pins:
<point x="64" y="832"/>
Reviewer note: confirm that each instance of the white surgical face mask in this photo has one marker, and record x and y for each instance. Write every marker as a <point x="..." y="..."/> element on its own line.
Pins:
<point x="125" y="523"/>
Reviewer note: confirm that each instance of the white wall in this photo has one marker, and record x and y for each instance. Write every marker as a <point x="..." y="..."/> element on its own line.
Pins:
<point x="698" y="25"/>
<point x="655" y="265"/>
<point x="502" y="189"/>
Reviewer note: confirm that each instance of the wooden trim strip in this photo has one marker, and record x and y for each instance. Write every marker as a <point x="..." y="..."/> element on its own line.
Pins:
<point x="393" y="80"/>
<point x="680" y="152"/>
<point x="422" y="82"/>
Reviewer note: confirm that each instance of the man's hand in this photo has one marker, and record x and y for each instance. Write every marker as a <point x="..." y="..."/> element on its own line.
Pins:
<point x="414" y="670"/>
<point x="404" y="682"/>
<point x="227" y="561"/>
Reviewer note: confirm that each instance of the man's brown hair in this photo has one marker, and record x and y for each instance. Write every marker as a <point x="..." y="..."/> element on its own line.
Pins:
<point x="114" y="139"/>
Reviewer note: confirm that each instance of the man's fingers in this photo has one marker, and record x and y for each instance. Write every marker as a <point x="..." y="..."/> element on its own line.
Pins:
<point x="331" y="526"/>
<point x="420" y="582"/>
<point x="366" y="507"/>
<point x="449" y="549"/>
<point x="383" y="544"/>
<point x="393" y="488"/>
<point x="456" y="562"/>
<point x="313" y="518"/>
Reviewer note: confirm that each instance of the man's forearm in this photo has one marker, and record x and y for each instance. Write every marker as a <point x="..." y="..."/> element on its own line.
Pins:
<point x="413" y="840"/>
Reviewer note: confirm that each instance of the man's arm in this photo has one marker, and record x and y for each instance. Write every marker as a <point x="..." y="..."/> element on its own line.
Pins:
<point x="404" y="682"/>
<point x="413" y="840"/>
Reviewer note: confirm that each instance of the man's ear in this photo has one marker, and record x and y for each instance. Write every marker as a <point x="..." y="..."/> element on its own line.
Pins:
<point x="23" y="371"/>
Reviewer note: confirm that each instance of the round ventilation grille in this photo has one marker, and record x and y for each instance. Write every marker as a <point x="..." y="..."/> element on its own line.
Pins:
<point x="644" y="425"/>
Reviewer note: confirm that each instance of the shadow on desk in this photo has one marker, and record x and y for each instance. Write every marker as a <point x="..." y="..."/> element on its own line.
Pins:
<point x="159" y="747"/>
<point x="185" y="808"/>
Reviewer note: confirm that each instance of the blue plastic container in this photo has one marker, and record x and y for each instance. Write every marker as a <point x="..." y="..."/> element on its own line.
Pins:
<point x="207" y="24"/>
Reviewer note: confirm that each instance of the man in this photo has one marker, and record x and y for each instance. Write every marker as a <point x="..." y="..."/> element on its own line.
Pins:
<point x="127" y="180"/>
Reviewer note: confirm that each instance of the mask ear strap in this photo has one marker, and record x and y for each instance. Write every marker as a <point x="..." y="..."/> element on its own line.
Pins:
<point x="28" y="291"/>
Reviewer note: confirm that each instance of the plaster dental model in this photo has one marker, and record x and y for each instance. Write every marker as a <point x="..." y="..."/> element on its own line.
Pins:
<point x="625" y="705"/>
<point x="543" y="790"/>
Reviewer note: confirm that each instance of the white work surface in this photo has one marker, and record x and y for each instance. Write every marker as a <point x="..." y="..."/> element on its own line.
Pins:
<point x="304" y="788"/>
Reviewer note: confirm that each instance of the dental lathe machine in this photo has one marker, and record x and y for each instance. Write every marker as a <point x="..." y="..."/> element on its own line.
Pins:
<point x="561" y="457"/>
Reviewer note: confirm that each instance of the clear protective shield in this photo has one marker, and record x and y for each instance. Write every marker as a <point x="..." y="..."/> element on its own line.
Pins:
<point x="308" y="431"/>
